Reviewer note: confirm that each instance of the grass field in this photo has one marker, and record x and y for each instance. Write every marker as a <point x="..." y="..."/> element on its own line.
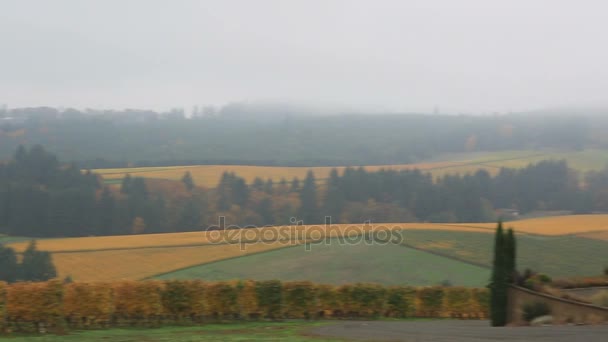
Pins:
<point x="558" y="256"/>
<point x="255" y="331"/>
<point x="549" y="244"/>
<point x="340" y="264"/>
<point x="139" y="263"/>
<point x="209" y="175"/>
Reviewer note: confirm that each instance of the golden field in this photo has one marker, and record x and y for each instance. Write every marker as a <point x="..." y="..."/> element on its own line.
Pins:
<point x="191" y="239"/>
<point x="141" y="256"/>
<point x="209" y="175"/>
<point x="134" y="264"/>
<point x="554" y="225"/>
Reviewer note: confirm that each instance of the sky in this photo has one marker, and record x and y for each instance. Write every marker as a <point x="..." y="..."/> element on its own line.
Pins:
<point x="473" y="56"/>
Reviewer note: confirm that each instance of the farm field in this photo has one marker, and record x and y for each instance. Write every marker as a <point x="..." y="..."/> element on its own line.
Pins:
<point x="188" y="239"/>
<point x="553" y="225"/>
<point x="140" y="263"/>
<point x="336" y="263"/>
<point x="557" y="256"/>
<point x="546" y="244"/>
<point x="209" y="175"/>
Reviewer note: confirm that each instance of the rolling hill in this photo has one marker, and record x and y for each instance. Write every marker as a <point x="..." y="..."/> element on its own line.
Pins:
<point x="209" y="175"/>
<point x="546" y="244"/>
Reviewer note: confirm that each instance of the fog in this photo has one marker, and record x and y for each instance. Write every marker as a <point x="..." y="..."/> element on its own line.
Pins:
<point x="474" y="56"/>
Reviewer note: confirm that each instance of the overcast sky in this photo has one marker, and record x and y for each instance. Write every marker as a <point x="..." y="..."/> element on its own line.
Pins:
<point x="472" y="56"/>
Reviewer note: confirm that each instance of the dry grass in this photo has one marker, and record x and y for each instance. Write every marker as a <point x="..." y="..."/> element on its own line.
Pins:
<point x="460" y="163"/>
<point x="231" y="236"/>
<point x="136" y="264"/>
<point x="209" y="175"/>
<point x="553" y="225"/>
<point x="140" y="256"/>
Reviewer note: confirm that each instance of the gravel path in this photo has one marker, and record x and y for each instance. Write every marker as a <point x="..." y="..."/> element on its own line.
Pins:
<point x="456" y="331"/>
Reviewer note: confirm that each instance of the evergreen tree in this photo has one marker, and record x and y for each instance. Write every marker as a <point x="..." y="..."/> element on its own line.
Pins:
<point x="188" y="181"/>
<point x="510" y="255"/>
<point x="8" y="265"/>
<point x="37" y="265"/>
<point x="334" y="197"/>
<point x="498" y="285"/>
<point x="309" y="211"/>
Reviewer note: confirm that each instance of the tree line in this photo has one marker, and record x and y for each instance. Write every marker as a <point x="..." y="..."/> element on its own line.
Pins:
<point x="41" y="197"/>
<point x="110" y="139"/>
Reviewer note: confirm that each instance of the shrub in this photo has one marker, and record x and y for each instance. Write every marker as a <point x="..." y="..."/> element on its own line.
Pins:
<point x="35" y="307"/>
<point x="248" y="300"/>
<point x="457" y="302"/>
<point x="183" y="300"/>
<point x="220" y="300"/>
<point x="367" y="300"/>
<point x="269" y="295"/>
<point x="429" y="301"/>
<point x="535" y="309"/>
<point x="400" y="301"/>
<point x="138" y="302"/>
<point x="88" y="305"/>
<point x="299" y="299"/>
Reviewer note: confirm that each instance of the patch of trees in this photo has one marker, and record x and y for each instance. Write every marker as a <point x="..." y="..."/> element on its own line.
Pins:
<point x="144" y="138"/>
<point x="35" y="265"/>
<point x="40" y="197"/>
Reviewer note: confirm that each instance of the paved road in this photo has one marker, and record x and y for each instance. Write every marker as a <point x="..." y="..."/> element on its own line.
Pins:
<point x="457" y="331"/>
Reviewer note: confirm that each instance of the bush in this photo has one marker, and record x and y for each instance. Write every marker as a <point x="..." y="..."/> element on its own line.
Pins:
<point x="183" y="300"/>
<point x="457" y="302"/>
<point x="536" y="309"/>
<point x="400" y="302"/>
<point x="221" y="300"/>
<point x="429" y="301"/>
<point x="88" y="305"/>
<point x="299" y="299"/>
<point x="269" y="298"/>
<point x="138" y="302"/>
<point x="248" y="300"/>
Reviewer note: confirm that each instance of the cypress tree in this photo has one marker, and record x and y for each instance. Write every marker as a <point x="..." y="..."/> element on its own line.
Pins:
<point x="510" y="255"/>
<point x="498" y="285"/>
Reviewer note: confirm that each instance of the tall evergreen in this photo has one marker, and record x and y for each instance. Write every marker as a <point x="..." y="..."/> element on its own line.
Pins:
<point x="498" y="285"/>
<point x="334" y="197"/>
<point x="309" y="211"/>
<point x="510" y="255"/>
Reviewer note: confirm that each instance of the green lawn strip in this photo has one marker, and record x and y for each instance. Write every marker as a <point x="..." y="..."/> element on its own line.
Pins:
<point x="249" y="331"/>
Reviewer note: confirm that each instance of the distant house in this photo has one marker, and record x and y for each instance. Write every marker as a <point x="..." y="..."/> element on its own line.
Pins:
<point x="507" y="213"/>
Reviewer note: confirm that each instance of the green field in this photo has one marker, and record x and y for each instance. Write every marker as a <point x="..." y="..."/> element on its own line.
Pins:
<point x="340" y="264"/>
<point x="291" y="331"/>
<point x="557" y="256"/>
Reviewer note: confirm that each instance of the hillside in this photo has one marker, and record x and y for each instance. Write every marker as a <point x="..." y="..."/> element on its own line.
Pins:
<point x="341" y="264"/>
<point x="546" y="244"/>
<point x="457" y="163"/>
